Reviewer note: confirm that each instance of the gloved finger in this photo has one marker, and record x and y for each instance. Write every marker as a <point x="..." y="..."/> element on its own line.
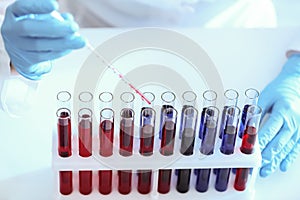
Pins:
<point x="48" y="27"/>
<point x="270" y="129"/>
<point x="291" y="157"/>
<point x="265" y="101"/>
<point x="67" y="16"/>
<point x="74" y="41"/>
<point x="269" y="168"/>
<point x="25" y="7"/>
<point x="276" y="145"/>
<point x="43" y="56"/>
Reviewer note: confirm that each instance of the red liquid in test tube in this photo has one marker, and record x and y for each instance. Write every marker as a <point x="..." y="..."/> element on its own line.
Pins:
<point x="65" y="182"/>
<point x="144" y="181"/>
<point x="106" y="138"/>
<point x="124" y="184"/>
<point x="105" y="181"/>
<point x="85" y="148"/>
<point x="64" y="133"/>
<point x="249" y="139"/>
<point x="167" y="141"/>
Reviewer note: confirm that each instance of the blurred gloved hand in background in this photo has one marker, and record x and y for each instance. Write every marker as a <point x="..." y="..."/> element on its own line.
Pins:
<point x="33" y="36"/>
<point x="279" y="137"/>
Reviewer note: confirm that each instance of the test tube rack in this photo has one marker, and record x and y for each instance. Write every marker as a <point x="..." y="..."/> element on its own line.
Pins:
<point x="156" y="161"/>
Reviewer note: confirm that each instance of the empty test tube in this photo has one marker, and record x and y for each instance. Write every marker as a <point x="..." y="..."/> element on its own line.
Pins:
<point x="231" y="121"/>
<point x="251" y="99"/>
<point x="168" y="101"/>
<point x="248" y="142"/>
<point x="207" y="145"/>
<point x="209" y="99"/>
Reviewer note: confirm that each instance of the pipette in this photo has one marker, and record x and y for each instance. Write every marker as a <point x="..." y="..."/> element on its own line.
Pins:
<point x="57" y="15"/>
<point x="116" y="71"/>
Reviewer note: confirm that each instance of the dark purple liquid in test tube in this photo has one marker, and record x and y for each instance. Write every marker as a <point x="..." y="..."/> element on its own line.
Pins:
<point x="227" y="146"/>
<point x="207" y="146"/>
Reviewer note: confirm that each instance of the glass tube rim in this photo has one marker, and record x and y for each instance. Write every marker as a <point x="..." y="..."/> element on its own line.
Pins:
<point x="107" y="109"/>
<point x="215" y="108"/>
<point x="211" y="91"/>
<point x="256" y="108"/>
<point x="151" y="100"/>
<point x="63" y="109"/>
<point x="132" y="111"/>
<point x="106" y="101"/>
<point x="168" y="92"/>
<point x="61" y="92"/>
<point x="188" y="100"/>
<point x="235" y="108"/>
<point x="127" y="101"/>
<point x="190" y="108"/>
<point x="231" y="90"/>
<point x="82" y="109"/>
<point x="254" y="90"/>
<point x="83" y="100"/>
<point x="170" y="108"/>
<point x="148" y="108"/>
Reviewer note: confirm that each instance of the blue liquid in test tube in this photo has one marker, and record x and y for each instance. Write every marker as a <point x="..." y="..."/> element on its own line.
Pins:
<point x="209" y="99"/>
<point x="227" y="146"/>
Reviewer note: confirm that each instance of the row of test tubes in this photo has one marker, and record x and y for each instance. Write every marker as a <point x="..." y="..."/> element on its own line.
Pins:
<point x="168" y="118"/>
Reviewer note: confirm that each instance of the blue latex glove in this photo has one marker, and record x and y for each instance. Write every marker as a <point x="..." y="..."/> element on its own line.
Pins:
<point x="279" y="137"/>
<point x="33" y="36"/>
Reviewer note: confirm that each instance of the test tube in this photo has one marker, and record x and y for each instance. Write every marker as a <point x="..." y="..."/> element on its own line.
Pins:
<point x="126" y="140"/>
<point x="251" y="99"/>
<point x="210" y="124"/>
<point x="231" y="98"/>
<point x="167" y="147"/>
<point x="248" y="142"/>
<point x="168" y="131"/>
<point x="189" y="100"/>
<point x="168" y="101"/>
<point x="85" y="140"/>
<point x="64" y="139"/>
<point x="147" y="128"/>
<point x="106" y="137"/>
<point x="231" y="121"/>
<point x="189" y="123"/>
<point x="209" y="99"/>
<point x="64" y="124"/>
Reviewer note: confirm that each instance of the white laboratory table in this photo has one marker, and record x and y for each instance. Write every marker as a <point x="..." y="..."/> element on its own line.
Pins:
<point x="25" y="144"/>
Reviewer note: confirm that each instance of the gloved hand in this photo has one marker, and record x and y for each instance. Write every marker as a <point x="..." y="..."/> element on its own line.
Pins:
<point x="279" y="137"/>
<point x="33" y="36"/>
